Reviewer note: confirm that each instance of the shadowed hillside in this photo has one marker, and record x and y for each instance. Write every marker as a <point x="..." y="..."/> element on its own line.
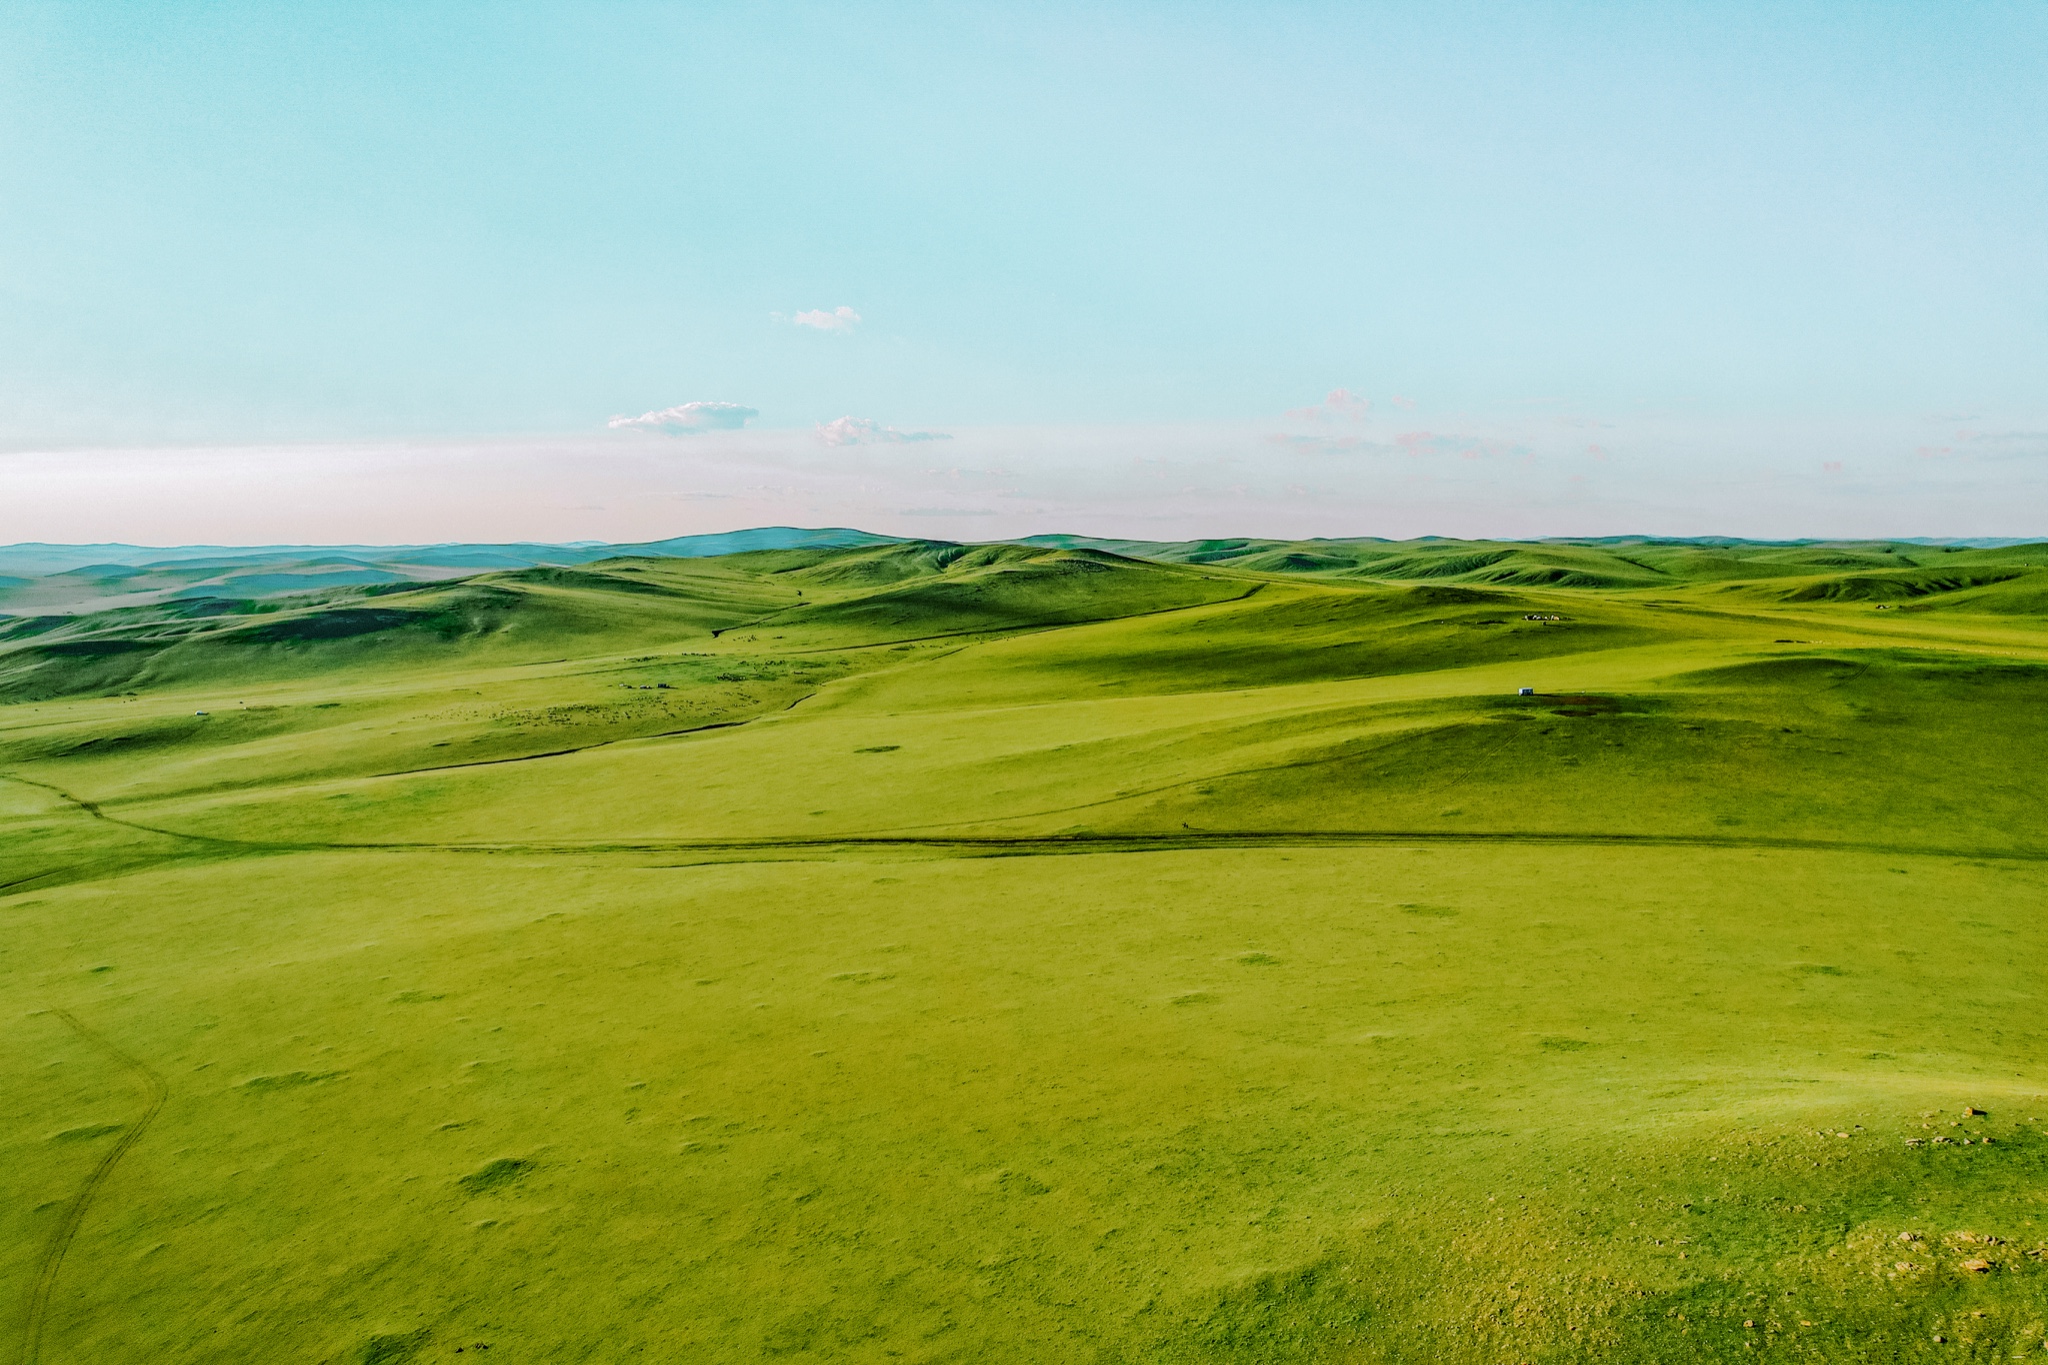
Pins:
<point x="914" y="588"/>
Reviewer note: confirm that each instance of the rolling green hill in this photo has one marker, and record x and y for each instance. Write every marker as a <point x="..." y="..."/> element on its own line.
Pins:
<point x="68" y="579"/>
<point x="1094" y="951"/>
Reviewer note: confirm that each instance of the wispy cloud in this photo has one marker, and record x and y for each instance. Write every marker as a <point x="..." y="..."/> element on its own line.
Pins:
<point x="1327" y="445"/>
<point x="1998" y="445"/>
<point x="687" y="419"/>
<point x="1337" y="404"/>
<point x="1421" y="443"/>
<point x="858" y="431"/>
<point x="1416" y="444"/>
<point x="840" y="319"/>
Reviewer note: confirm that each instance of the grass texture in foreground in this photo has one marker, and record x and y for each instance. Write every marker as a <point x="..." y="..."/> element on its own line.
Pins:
<point x="934" y="953"/>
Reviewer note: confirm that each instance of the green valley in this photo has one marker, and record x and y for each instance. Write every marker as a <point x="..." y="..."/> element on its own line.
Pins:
<point x="871" y="950"/>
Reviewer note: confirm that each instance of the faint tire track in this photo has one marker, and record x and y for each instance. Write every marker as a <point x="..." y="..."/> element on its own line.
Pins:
<point x="1054" y="845"/>
<point x="1037" y="845"/>
<point x="74" y="1215"/>
<point x="92" y="809"/>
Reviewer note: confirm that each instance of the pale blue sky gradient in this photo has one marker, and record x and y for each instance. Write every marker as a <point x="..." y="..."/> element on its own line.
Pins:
<point x="1813" y="233"/>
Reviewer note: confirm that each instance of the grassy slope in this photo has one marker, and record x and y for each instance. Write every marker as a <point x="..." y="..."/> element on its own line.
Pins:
<point x="1326" y="1000"/>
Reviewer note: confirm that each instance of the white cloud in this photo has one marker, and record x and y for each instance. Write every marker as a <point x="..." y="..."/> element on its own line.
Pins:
<point x="840" y="319"/>
<point x="1329" y="445"/>
<point x="1339" y="403"/>
<point x="687" y="419"/>
<point x="855" y="431"/>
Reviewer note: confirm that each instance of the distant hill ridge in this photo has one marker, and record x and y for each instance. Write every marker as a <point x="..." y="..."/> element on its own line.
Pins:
<point x="39" y="558"/>
<point x="111" y="629"/>
<point x="50" y="579"/>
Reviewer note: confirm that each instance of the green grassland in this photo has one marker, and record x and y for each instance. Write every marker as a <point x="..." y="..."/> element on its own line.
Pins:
<point x="1064" y="951"/>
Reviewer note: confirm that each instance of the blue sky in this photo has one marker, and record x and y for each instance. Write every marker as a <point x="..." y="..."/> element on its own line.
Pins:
<point x="1748" y="241"/>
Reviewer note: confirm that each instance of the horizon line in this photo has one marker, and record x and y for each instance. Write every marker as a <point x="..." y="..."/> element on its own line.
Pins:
<point x="886" y="537"/>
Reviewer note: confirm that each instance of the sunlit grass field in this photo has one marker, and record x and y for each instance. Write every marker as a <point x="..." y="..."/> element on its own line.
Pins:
<point x="936" y="953"/>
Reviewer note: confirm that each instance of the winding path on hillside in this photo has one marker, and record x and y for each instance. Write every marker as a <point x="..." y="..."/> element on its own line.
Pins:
<point x="768" y="848"/>
<point x="1067" y="845"/>
<point x="74" y="1213"/>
